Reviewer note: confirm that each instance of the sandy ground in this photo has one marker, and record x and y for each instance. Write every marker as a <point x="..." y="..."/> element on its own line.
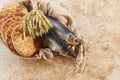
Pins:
<point x="98" y="21"/>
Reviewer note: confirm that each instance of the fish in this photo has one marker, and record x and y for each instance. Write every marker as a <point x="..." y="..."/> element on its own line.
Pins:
<point x="56" y="44"/>
<point x="59" y="38"/>
<point x="63" y="32"/>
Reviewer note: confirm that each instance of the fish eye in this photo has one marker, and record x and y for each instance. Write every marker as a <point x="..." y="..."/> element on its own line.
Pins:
<point x="76" y="40"/>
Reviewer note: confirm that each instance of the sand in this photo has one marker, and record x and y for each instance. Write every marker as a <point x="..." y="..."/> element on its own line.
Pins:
<point x="98" y="22"/>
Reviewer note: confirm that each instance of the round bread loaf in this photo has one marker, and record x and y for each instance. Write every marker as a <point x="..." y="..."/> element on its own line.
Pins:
<point x="25" y="47"/>
<point x="11" y="30"/>
<point x="12" y="18"/>
<point x="7" y="38"/>
<point x="10" y="9"/>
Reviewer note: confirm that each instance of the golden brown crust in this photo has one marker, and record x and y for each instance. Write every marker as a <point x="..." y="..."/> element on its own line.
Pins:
<point x="10" y="9"/>
<point x="10" y="20"/>
<point x="7" y="28"/>
<point x="8" y="40"/>
<point x="11" y="30"/>
<point x="25" y="47"/>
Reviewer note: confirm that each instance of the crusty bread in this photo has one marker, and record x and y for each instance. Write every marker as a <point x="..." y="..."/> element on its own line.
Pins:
<point x="10" y="9"/>
<point x="12" y="18"/>
<point x="8" y="40"/>
<point x="11" y="30"/>
<point x="25" y="47"/>
<point x="7" y="28"/>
